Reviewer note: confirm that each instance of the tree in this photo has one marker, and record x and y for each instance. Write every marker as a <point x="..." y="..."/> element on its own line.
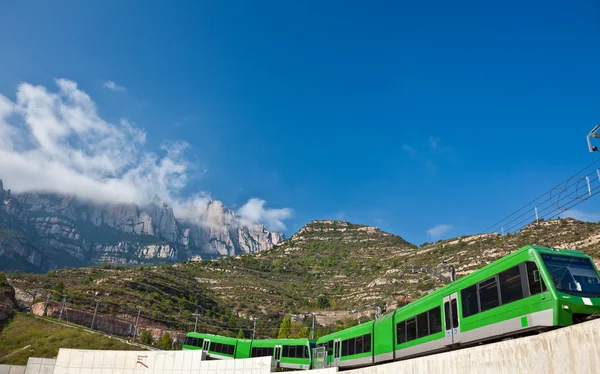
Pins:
<point x="3" y="280"/>
<point x="60" y="287"/>
<point x="323" y="302"/>
<point x="285" y="327"/>
<point x="304" y="333"/>
<point x="165" y="341"/>
<point x="146" y="337"/>
<point x="240" y="334"/>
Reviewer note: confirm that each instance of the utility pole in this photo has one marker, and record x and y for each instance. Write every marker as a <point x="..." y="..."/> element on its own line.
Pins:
<point x="95" y="311"/>
<point x="45" y="314"/>
<point x="196" y="323"/>
<point x="254" y="329"/>
<point x="62" y="308"/>
<point x="314" y="324"/>
<point x="137" y="323"/>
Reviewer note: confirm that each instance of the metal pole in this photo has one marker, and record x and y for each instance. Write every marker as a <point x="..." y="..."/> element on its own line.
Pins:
<point x="196" y="323"/>
<point x="136" y="323"/>
<point x="254" y="330"/>
<point x="62" y="308"/>
<point x="46" y="306"/>
<point x="314" y="324"/>
<point x="95" y="311"/>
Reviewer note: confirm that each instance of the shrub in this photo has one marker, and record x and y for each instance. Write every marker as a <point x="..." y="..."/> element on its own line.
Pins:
<point x="146" y="337"/>
<point x="165" y="341"/>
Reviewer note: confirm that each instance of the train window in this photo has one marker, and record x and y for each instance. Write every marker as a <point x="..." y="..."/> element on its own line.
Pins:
<point x="488" y="294"/>
<point x="401" y="332"/>
<point x="367" y="343"/>
<point x="447" y="315"/>
<point x="345" y="348"/>
<point x="351" y="348"/>
<point x="454" y="304"/>
<point x="230" y="349"/>
<point x="510" y="285"/>
<point x="411" y="329"/>
<point x="435" y="321"/>
<point x="468" y="298"/>
<point x="534" y="278"/>
<point x="286" y="351"/>
<point x="329" y="348"/>
<point x="359" y="345"/>
<point x="422" y="325"/>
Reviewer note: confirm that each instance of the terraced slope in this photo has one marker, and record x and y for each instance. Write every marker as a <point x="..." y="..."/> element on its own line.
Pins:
<point x="332" y="268"/>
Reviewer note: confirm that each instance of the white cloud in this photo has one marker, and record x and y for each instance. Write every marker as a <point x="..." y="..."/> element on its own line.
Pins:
<point x="113" y="86"/>
<point x="254" y="210"/>
<point x="57" y="142"/>
<point x="581" y="215"/>
<point x="439" y="230"/>
<point x="434" y="143"/>
<point x="408" y="149"/>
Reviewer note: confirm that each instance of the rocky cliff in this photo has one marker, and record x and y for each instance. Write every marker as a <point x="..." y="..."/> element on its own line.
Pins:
<point x="42" y="231"/>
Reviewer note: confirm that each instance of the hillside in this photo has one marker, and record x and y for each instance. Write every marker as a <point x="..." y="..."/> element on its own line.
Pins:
<point x="43" y="339"/>
<point x="42" y="231"/>
<point x="332" y="268"/>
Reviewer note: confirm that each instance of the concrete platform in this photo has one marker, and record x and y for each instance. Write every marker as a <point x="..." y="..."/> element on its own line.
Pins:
<point x="569" y="350"/>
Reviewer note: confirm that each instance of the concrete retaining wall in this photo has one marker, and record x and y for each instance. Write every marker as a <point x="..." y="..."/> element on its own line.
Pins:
<point x="37" y="365"/>
<point x="12" y="369"/>
<point x="571" y="350"/>
<point x="79" y="361"/>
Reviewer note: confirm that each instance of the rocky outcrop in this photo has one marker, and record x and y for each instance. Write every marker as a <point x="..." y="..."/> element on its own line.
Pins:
<point x="7" y="302"/>
<point x="120" y="325"/>
<point x="70" y="232"/>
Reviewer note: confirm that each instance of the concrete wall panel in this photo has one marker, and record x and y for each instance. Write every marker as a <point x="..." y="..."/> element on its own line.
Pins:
<point x="36" y="365"/>
<point x="12" y="369"/>
<point x="572" y="350"/>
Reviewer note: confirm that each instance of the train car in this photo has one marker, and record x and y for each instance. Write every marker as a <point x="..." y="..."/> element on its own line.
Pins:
<point x="532" y="289"/>
<point x="287" y="353"/>
<point x="349" y="348"/>
<point x="216" y="346"/>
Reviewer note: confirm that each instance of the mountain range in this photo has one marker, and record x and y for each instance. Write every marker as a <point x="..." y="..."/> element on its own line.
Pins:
<point x="45" y="231"/>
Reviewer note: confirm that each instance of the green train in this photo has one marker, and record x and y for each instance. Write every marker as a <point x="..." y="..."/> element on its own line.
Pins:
<point x="287" y="353"/>
<point x="531" y="290"/>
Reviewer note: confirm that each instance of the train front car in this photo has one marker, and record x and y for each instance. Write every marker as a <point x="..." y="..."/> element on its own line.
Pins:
<point x="530" y="290"/>
<point x="573" y="281"/>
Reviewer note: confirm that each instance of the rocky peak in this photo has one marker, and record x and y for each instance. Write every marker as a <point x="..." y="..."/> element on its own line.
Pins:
<point x="93" y="233"/>
<point x="344" y="231"/>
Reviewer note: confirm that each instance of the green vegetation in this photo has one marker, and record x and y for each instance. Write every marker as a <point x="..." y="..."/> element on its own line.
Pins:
<point x="45" y="338"/>
<point x="165" y="341"/>
<point x="327" y="267"/>
<point x="146" y="337"/>
<point x="285" y="328"/>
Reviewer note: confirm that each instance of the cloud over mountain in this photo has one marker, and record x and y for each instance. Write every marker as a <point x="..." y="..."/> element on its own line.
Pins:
<point x="57" y="142"/>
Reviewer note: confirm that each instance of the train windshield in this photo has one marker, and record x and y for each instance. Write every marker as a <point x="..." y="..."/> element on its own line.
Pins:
<point x="573" y="275"/>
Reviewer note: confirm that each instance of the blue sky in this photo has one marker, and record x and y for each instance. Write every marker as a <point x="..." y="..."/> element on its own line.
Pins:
<point x="403" y="115"/>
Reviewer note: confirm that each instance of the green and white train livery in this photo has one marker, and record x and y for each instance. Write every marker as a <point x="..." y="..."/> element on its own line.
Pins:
<point x="530" y="290"/>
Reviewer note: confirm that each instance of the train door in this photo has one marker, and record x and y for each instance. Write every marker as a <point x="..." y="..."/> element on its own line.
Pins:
<point x="206" y="345"/>
<point x="277" y="355"/>
<point x="337" y="347"/>
<point x="451" y="319"/>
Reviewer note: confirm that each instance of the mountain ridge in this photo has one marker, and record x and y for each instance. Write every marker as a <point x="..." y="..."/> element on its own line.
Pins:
<point x="41" y="231"/>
